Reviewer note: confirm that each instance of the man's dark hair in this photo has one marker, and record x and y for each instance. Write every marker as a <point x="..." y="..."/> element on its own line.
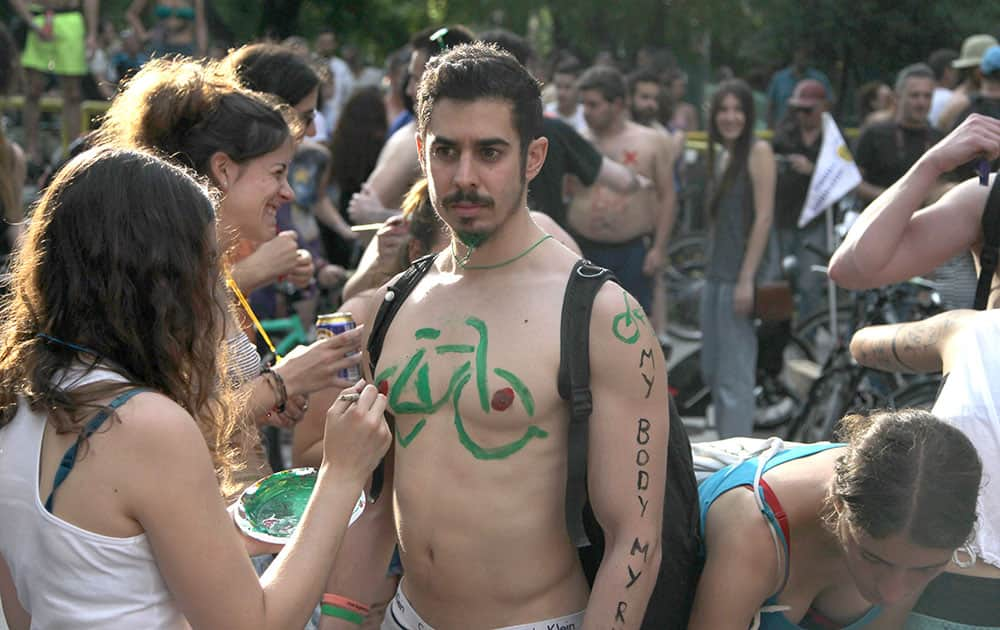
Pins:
<point x="436" y="40"/>
<point x="940" y="61"/>
<point x="569" y="66"/>
<point x="913" y="71"/>
<point x="641" y="76"/>
<point x="471" y="72"/>
<point x="511" y="42"/>
<point x="608" y="81"/>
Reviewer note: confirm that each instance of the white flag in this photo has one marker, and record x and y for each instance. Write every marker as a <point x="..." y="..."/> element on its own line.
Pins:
<point x="834" y="175"/>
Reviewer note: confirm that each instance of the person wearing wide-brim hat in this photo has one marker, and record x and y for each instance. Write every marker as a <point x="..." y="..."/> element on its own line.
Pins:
<point x="973" y="49"/>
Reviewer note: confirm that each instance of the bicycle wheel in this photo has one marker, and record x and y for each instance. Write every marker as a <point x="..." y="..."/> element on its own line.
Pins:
<point x="829" y="399"/>
<point x="685" y="279"/>
<point x="814" y="331"/>
<point x="774" y="395"/>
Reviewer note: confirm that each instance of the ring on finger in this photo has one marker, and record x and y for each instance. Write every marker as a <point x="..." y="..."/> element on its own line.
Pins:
<point x="349" y="397"/>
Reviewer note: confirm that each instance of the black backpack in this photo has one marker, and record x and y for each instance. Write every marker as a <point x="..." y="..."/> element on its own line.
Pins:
<point x="670" y="603"/>
<point x="991" y="246"/>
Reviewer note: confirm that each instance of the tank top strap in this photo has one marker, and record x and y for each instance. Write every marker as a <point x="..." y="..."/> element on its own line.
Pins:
<point x="69" y="458"/>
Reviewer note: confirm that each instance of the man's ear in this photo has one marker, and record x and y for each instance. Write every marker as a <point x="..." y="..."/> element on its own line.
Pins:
<point x="537" y="151"/>
<point x="420" y="153"/>
<point x="222" y="168"/>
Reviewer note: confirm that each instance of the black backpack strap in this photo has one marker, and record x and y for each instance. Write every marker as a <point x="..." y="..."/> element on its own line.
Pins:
<point x="991" y="246"/>
<point x="585" y="280"/>
<point x="395" y="295"/>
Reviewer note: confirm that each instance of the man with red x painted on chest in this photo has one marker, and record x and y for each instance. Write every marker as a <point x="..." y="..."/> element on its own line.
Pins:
<point x="625" y="233"/>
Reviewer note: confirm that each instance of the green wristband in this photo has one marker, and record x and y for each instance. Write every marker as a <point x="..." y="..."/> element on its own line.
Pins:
<point x="330" y="610"/>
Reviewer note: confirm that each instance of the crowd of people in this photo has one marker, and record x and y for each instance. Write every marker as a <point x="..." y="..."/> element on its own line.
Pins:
<point x="514" y="448"/>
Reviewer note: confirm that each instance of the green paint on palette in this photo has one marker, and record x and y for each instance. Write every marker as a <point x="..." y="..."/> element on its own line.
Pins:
<point x="428" y="333"/>
<point x="279" y="502"/>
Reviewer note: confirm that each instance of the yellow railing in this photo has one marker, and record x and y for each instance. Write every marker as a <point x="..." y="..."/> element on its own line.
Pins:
<point x="88" y="109"/>
<point x="698" y="140"/>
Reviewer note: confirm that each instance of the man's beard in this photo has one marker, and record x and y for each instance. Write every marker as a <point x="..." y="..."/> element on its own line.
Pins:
<point x="646" y="118"/>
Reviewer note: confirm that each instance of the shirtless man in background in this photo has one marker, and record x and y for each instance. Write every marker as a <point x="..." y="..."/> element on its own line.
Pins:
<point x="397" y="167"/>
<point x="626" y="233"/>
<point x="470" y="367"/>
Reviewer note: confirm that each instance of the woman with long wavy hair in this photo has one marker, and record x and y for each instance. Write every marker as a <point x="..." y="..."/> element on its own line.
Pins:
<point x="109" y="364"/>
<point x="197" y="115"/>
<point x="740" y="210"/>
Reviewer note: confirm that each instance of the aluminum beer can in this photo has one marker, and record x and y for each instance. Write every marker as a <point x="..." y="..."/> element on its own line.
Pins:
<point x="333" y="324"/>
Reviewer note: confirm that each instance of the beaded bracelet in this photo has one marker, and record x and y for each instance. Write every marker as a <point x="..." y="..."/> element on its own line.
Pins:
<point x="278" y="386"/>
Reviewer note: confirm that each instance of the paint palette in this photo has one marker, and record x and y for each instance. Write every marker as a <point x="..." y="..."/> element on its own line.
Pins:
<point x="270" y="509"/>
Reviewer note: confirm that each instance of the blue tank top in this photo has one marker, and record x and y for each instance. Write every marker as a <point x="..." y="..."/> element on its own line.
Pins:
<point x="745" y="473"/>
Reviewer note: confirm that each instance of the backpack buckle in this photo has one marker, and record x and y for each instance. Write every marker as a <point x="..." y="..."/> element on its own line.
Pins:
<point x="988" y="258"/>
<point x="581" y="404"/>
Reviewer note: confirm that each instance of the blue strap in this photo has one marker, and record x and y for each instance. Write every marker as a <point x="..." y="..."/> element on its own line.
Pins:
<point x="69" y="459"/>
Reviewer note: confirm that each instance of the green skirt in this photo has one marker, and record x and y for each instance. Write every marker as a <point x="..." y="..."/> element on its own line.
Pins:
<point x="65" y="54"/>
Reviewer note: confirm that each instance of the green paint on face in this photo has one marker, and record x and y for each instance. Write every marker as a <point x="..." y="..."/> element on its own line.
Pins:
<point x="481" y="372"/>
<point x="627" y="315"/>
<point x="519" y="388"/>
<point x="405" y="441"/>
<point x="427" y="333"/>
<point x="457" y="348"/>
<point x="472" y="239"/>
<point x="498" y="452"/>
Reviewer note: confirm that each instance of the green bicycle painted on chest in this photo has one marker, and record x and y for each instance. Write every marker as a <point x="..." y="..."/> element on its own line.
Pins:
<point x="408" y="389"/>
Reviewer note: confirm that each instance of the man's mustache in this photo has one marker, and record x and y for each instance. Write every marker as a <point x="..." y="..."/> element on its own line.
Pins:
<point x="467" y="196"/>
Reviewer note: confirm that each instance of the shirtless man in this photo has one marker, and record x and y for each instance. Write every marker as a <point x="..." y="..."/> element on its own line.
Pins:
<point x="397" y="167"/>
<point x="59" y="42"/>
<point x="470" y="367"/>
<point x="614" y="230"/>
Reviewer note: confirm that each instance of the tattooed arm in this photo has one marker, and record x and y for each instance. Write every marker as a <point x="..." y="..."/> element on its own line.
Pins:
<point x="626" y="467"/>
<point x="913" y="347"/>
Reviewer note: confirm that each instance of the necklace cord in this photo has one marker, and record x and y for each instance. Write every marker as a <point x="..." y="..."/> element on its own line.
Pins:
<point x="464" y="263"/>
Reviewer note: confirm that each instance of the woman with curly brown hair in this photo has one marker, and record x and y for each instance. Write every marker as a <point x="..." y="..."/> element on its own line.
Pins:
<point x="108" y="393"/>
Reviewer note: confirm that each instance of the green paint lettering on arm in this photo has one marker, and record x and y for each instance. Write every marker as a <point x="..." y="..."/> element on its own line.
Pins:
<point x="519" y="388"/>
<point x="427" y="333"/>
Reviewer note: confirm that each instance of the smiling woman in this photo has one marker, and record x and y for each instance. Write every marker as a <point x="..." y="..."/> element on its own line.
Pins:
<point x="873" y="520"/>
<point x="198" y="115"/>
